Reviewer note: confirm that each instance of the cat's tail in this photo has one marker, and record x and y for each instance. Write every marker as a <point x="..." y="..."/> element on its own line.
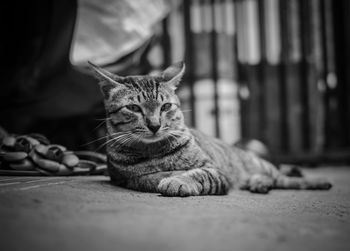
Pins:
<point x="302" y="183"/>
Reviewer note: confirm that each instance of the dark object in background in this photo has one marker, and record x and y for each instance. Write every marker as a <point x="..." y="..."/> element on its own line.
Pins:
<point x="40" y="87"/>
<point x="3" y="133"/>
<point x="41" y="91"/>
<point x="260" y="149"/>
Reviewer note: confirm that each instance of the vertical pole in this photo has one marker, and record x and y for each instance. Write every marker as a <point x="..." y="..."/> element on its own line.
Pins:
<point x="189" y="58"/>
<point x="214" y="69"/>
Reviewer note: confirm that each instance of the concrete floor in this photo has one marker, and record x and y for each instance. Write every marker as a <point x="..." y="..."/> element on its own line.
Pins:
<point x="88" y="213"/>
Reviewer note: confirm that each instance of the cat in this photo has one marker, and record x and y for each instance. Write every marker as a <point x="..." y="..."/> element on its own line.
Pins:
<point x="150" y="149"/>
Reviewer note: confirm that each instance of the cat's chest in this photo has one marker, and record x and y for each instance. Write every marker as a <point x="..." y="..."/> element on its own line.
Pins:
<point x="184" y="159"/>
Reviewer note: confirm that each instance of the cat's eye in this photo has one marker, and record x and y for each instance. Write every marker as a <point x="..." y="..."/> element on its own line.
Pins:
<point x="134" y="108"/>
<point x="166" y="107"/>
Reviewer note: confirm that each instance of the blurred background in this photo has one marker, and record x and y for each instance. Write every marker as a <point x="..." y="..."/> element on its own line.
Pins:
<point x="276" y="71"/>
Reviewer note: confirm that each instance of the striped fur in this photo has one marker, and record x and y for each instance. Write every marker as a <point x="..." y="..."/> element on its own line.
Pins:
<point x="150" y="148"/>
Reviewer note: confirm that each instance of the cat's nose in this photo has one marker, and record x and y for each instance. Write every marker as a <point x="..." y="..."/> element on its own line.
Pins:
<point x="153" y="127"/>
<point x="153" y="124"/>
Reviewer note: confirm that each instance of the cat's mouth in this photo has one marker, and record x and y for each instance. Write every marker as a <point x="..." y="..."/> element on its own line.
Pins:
<point x="155" y="137"/>
<point x="151" y="138"/>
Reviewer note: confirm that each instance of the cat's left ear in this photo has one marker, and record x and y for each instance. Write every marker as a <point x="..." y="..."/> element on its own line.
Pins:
<point x="108" y="80"/>
<point x="173" y="74"/>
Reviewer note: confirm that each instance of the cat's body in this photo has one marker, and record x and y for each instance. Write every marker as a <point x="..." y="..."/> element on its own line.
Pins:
<point x="150" y="148"/>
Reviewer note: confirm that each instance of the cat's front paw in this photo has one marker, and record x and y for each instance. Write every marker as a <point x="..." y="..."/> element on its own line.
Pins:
<point x="177" y="186"/>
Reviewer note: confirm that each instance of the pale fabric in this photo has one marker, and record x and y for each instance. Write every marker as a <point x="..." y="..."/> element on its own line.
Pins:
<point x="107" y="30"/>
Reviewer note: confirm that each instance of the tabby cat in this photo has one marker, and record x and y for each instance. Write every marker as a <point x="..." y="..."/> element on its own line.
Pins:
<point x="150" y="149"/>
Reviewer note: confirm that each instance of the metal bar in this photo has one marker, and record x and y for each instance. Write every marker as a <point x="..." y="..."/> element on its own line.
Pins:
<point x="262" y="72"/>
<point x="340" y="102"/>
<point x="283" y="72"/>
<point x="323" y="31"/>
<point x="304" y="70"/>
<point x="241" y="76"/>
<point x="292" y="62"/>
<point x="189" y="58"/>
<point x="331" y="80"/>
<point x="214" y="69"/>
<point x="346" y="83"/>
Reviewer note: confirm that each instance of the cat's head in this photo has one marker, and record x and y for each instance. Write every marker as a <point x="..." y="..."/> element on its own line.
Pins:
<point x="143" y="109"/>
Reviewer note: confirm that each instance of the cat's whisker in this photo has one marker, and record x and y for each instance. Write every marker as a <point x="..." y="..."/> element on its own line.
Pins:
<point x="130" y="141"/>
<point x="122" y="139"/>
<point x="112" y="138"/>
<point x="104" y="119"/>
<point x="168" y="140"/>
<point x="139" y="131"/>
<point x="99" y="125"/>
<point x="120" y="136"/>
<point x="99" y="139"/>
<point x="174" y="134"/>
<point x="105" y="143"/>
<point x="93" y="141"/>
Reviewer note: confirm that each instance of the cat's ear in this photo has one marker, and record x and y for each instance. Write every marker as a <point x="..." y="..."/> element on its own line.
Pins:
<point x="107" y="80"/>
<point x="173" y="74"/>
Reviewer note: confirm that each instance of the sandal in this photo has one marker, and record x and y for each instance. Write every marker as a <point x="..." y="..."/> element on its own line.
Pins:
<point x="33" y="155"/>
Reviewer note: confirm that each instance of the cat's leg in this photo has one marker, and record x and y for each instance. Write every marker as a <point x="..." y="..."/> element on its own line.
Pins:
<point x="260" y="183"/>
<point x="149" y="182"/>
<point x="198" y="181"/>
<point x="285" y="182"/>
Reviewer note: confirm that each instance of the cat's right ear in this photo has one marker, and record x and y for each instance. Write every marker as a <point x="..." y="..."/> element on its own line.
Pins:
<point x="173" y="74"/>
<point x="107" y="80"/>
